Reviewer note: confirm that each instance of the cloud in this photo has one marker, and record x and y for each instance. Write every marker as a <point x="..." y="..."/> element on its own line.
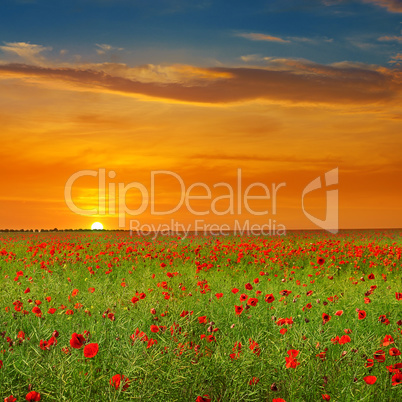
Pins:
<point x="263" y="37"/>
<point x="397" y="59"/>
<point x="393" y="6"/>
<point x="184" y="74"/>
<point x="103" y="48"/>
<point x="283" y="80"/>
<point x="390" y="39"/>
<point x="28" y="52"/>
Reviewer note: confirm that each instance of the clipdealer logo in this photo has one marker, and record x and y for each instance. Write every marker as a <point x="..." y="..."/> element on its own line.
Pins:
<point x="237" y="197"/>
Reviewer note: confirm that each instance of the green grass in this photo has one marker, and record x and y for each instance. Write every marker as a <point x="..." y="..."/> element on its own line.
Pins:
<point x="161" y="372"/>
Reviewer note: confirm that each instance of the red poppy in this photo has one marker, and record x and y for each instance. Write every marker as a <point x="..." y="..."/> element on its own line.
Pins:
<point x="248" y="286"/>
<point x="91" y="290"/>
<point x="10" y="399"/>
<point x="283" y="331"/>
<point x="243" y="297"/>
<point x="335" y="340"/>
<point x="269" y="298"/>
<point x="370" y="363"/>
<point x="361" y="314"/>
<point x="383" y="319"/>
<point x="370" y="379"/>
<point x="339" y="313"/>
<point x="371" y="276"/>
<point x="134" y="300"/>
<point x="325" y="318"/>
<point x="254" y="381"/>
<point x="204" y="398"/>
<point x="219" y="295"/>
<point x="1" y="364"/>
<point x="118" y="379"/>
<point x="398" y="295"/>
<point x="291" y="361"/>
<point x="76" y="341"/>
<point x="74" y="292"/>
<point x="344" y="339"/>
<point x="33" y="396"/>
<point x="235" y="290"/>
<point x="388" y="339"/>
<point x="91" y="350"/>
<point x="326" y="397"/>
<point x="252" y="301"/>
<point x="238" y="310"/>
<point x="202" y="319"/>
<point x="27" y="290"/>
<point x="154" y="328"/>
<point x="394" y="352"/>
<point x="394" y="368"/>
<point x="51" y="310"/>
<point x="397" y="379"/>
<point x="320" y="261"/>
<point x="379" y="355"/>
<point x="278" y="400"/>
<point x="36" y="310"/>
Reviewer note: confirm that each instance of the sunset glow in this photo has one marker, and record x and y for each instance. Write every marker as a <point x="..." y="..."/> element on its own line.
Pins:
<point x="285" y="93"/>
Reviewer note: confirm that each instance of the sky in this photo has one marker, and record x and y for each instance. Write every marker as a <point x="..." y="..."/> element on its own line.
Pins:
<point x="189" y="92"/>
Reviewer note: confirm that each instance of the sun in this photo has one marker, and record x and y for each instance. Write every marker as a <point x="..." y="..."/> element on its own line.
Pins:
<point x="97" y="226"/>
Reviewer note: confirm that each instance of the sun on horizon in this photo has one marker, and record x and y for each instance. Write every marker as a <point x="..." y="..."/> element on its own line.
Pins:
<point x="97" y="226"/>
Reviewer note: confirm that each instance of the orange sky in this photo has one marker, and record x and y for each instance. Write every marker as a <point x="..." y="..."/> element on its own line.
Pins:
<point x="53" y="128"/>
<point x="288" y="120"/>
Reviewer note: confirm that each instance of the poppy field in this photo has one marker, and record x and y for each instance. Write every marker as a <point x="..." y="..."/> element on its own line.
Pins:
<point x="105" y="316"/>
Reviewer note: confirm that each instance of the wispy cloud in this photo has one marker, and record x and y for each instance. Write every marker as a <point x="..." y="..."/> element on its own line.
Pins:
<point x="397" y="59"/>
<point x="393" y="6"/>
<point x="285" y="80"/>
<point x="390" y="39"/>
<point x="103" y="48"/>
<point x="288" y="39"/>
<point x="30" y="53"/>
<point x="262" y="37"/>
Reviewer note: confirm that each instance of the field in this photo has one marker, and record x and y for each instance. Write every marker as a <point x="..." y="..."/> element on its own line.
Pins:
<point x="102" y="316"/>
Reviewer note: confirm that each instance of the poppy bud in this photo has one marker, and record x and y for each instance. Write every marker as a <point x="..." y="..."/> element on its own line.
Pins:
<point x="55" y="334"/>
<point x="274" y="387"/>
